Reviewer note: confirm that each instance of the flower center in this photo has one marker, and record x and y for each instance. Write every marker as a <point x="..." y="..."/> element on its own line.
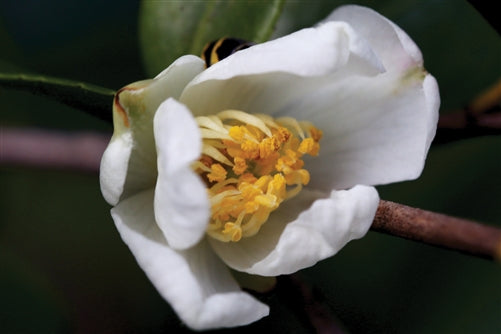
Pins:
<point x="251" y="164"/>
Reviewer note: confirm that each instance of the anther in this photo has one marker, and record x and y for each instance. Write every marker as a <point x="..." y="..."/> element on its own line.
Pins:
<point x="251" y="164"/>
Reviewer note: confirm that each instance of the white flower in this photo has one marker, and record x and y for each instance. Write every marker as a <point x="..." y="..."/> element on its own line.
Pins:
<point x="356" y="76"/>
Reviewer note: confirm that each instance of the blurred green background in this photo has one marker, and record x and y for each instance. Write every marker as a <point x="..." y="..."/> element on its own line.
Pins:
<point x="64" y="269"/>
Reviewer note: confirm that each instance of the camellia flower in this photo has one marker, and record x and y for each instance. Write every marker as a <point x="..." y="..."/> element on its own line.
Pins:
<point x="264" y="162"/>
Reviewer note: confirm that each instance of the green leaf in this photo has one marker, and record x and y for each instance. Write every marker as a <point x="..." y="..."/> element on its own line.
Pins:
<point x="170" y="29"/>
<point x="297" y="15"/>
<point x="92" y="99"/>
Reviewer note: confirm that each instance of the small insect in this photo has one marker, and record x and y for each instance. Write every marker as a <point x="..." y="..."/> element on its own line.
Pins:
<point x="221" y="48"/>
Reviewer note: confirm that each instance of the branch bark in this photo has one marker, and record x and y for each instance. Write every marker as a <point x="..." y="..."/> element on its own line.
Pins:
<point x="53" y="150"/>
<point x="82" y="152"/>
<point x="439" y="230"/>
<point x="482" y="117"/>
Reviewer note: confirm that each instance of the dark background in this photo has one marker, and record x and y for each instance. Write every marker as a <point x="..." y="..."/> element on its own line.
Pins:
<point x="63" y="267"/>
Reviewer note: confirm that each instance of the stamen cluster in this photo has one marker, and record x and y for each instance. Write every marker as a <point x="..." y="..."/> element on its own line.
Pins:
<point x="251" y="164"/>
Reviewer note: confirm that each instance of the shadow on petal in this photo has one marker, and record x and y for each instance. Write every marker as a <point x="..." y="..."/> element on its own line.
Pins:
<point x="286" y="245"/>
<point x="195" y="282"/>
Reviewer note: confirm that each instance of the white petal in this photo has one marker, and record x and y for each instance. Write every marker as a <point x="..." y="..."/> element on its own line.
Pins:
<point x="285" y="245"/>
<point x="311" y="51"/>
<point x="235" y="81"/>
<point x="129" y="163"/>
<point x="114" y="166"/>
<point x="377" y="130"/>
<point x="181" y="204"/>
<point x="432" y="98"/>
<point x="177" y="137"/>
<point x="195" y="282"/>
<point x="392" y="45"/>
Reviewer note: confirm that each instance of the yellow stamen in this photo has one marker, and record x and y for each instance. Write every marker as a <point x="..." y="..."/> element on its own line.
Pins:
<point x="240" y="165"/>
<point x="309" y="146"/>
<point x="251" y="164"/>
<point x="217" y="174"/>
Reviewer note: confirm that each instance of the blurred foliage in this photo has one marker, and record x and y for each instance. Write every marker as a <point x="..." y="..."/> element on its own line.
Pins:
<point x="170" y="29"/>
<point x="64" y="267"/>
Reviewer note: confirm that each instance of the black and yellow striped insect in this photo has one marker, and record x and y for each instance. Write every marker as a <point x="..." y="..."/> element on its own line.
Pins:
<point x="221" y="48"/>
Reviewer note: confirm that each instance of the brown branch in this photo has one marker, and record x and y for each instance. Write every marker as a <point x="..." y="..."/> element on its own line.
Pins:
<point x="482" y="117"/>
<point x="463" y="124"/>
<point x="308" y="304"/>
<point x="438" y="229"/>
<point x="54" y="150"/>
<point x="82" y="152"/>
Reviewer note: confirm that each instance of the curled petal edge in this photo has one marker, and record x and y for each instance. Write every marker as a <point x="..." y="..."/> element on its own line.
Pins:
<point x="128" y="165"/>
<point x="195" y="282"/>
<point x="392" y="45"/>
<point x="283" y="247"/>
<point x="181" y="205"/>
